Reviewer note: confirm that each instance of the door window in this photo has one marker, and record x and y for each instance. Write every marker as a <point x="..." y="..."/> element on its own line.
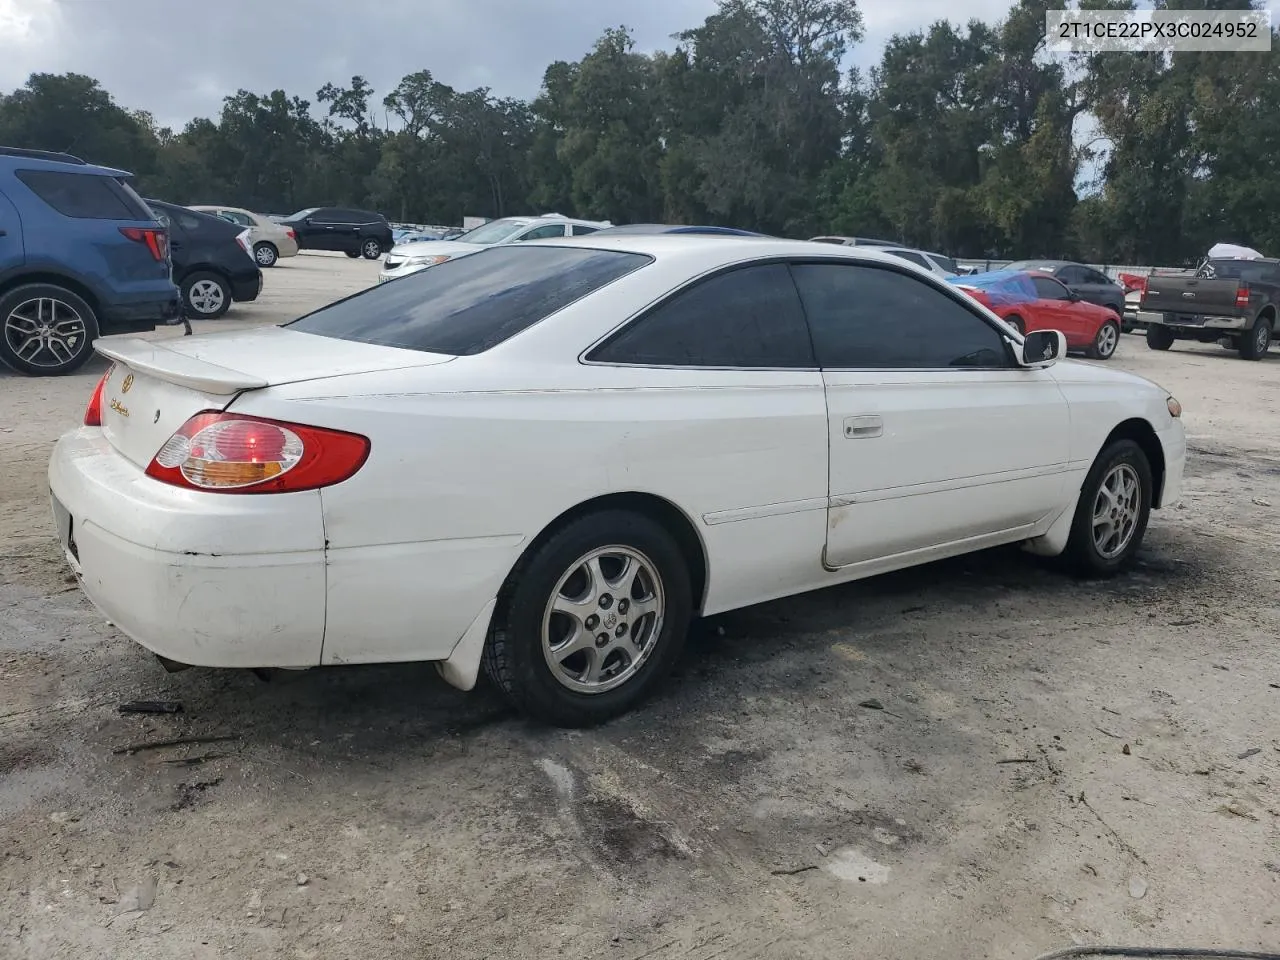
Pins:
<point x="745" y="318"/>
<point x="545" y="232"/>
<point x="1048" y="288"/>
<point x="866" y="317"/>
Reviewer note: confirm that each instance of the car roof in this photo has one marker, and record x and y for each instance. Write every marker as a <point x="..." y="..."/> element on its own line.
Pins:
<point x="60" y="162"/>
<point x="725" y="249"/>
<point x="680" y="228"/>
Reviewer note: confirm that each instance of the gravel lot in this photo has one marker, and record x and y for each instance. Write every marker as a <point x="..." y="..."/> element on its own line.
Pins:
<point x="1050" y="761"/>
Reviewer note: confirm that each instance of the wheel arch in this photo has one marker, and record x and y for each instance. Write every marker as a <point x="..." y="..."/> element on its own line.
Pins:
<point x="57" y="280"/>
<point x="1268" y="313"/>
<point x="1144" y="435"/>
<point x="659" y="509"/>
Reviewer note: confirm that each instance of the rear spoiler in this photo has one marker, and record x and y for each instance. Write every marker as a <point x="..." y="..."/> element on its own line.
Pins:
<point x="156" y="360"/>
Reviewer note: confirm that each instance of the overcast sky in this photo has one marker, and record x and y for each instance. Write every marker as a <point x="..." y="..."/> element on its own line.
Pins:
<point x="179" y="58"/>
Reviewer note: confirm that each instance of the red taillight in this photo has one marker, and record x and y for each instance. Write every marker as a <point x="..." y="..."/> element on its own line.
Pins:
<point x="229" y="453"/>
<point x="93" y="412"/>
<point x="1242" y="297"/>
<point x="292" y="234"/>
<point x="157" y="241"/>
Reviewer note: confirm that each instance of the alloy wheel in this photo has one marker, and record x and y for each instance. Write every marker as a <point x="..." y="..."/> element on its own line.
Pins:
<point x="1116" y="510"/>
<point x="206" y="296"/>
<point x="603" y="619"/>
<point x="45" y="332"/>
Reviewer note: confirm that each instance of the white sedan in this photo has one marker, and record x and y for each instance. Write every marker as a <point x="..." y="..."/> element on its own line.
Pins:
<point x="544" y="459"/>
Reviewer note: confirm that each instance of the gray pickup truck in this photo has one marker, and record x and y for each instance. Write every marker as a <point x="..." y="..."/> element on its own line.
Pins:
<point x="1232" y="302"/>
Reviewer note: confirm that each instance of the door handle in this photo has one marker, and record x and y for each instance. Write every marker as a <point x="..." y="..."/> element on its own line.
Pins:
<point x="863" y="428"/>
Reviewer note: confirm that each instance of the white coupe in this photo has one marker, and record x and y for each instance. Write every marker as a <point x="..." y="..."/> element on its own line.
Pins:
<point x="546" y="458"/>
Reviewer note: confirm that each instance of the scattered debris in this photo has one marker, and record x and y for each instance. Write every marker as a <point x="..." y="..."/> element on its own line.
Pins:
<point x="1273" y="866"/>
<point x="1113" y="736"/>
<point x="188" y="792"/>
<point x="872" y="705"/>
<point x="1126" y="750"/>
<point x="1137" y="887"/>
<point x="1090" y="868"/>
<point x="195" y="761"/>
<point x="1235" y="810"/>
<point x="1251" y="752"/>
<point x="1017" y="760"/>
<point x="303" y="879"/>
<point x="63" y="817"/>
<point x="1261" y="502"/>
<point x="1218" y="666"/>
<point x="141" y="896"/>
<point x="1110" y="711"/>
<point x="175" y="742"/>
<point x="792" y="871"/>
<point x="151" y="706"/>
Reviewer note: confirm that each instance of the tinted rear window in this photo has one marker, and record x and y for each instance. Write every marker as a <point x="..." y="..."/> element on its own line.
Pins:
<point x="467" y="305"/>
<point x="85" y="196"/>
<point x="1250" y="271"/>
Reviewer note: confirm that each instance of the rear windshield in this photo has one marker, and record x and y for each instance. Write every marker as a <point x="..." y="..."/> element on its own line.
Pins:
<point x="465" y="306"/>
<point x="1250" y="271"/>
<point x="85" y="196"/>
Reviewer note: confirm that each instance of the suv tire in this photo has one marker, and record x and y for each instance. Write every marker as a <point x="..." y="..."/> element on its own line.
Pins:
<point x="371" y="248"/>
<point x="60" y="319"/>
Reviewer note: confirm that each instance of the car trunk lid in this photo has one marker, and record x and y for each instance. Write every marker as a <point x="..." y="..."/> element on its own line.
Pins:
<point x="155" y="386"/>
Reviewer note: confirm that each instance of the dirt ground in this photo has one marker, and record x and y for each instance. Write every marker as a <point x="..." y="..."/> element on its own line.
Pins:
<point x="978" y="758"/>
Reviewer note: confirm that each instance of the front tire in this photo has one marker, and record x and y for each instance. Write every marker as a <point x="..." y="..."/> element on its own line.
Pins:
<point x="591" y="621"/>
<point x="205" y="296"/>
<point x="266" y="254"/>
<point x="1015" y="321"/>
<point x="1112" y="513"/>
<point x="46" y="330"/>
<point x="1105" y="343"/>
<point x="1158" y="337"/>
<point x="371" y="249"/>
<point x="1255" y="344"/>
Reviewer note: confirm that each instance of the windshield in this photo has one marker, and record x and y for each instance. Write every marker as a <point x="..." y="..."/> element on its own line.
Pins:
<point x="496" y="231"/>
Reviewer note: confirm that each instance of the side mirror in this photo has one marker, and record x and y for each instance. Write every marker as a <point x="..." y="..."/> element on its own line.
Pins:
<point x="1040" y="348"/>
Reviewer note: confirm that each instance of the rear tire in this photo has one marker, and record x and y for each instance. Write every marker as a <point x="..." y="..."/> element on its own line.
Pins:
<point x="1105" y="343"/>
<point x="205" y="296"/>
<point x="555" y="598"/>
<point x="1112" y="513"/>
<point x="1159" y="338"/>
<point x="371" y="249"/>
<point x="266" y="254"/>
<point x="1255" y="344"/>
<point x="46" y="330"/>
<point x="353" y="254"/>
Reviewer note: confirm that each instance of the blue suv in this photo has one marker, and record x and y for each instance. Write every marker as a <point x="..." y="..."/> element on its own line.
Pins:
<point x="80" y="255"/>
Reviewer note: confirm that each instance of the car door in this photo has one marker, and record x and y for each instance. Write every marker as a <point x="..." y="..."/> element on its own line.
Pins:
<point x="329" y="229"/>
<point x="1058" y="311"/>
<point x="12" y="249"/>
<point x="939" y="441"/>
<point x="734" y="429"/>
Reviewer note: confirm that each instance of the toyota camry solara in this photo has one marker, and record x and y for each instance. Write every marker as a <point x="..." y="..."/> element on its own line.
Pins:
<point x="545" y="459"/>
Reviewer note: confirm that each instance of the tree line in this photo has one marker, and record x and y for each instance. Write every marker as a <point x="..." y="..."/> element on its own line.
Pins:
<point x="968" y="140"/>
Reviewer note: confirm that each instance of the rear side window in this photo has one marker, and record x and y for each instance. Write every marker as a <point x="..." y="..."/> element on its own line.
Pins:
<point x="85" y="196"/>
<point x="468" y="305"/>
<point x="750" y="317"/>
<point x="946" y="263"/>
<point x="910" y="257"/>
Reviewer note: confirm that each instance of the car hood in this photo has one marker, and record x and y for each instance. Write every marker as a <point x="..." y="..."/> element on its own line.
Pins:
<point x="434" y="248"/>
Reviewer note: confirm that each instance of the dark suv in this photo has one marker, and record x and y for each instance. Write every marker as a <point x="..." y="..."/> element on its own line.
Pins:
<point x="213" y="261"/>
<point x="80" y="255"/>
<point x="357" y="233"/>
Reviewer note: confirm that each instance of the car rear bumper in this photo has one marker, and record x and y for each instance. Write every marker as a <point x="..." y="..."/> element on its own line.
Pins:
<point x="204" y="579"/>
<point x="246" y="289"/>
<point x="138" y="315"/>
<point x="1196" y="322"/>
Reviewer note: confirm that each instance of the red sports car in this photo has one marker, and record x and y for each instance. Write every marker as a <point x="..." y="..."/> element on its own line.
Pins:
<point x="1036" y="301"/>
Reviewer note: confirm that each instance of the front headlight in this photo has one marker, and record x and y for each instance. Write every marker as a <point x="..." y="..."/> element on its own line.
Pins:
<point x="426" y="261"/>
<point x="1175" y="408"/>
